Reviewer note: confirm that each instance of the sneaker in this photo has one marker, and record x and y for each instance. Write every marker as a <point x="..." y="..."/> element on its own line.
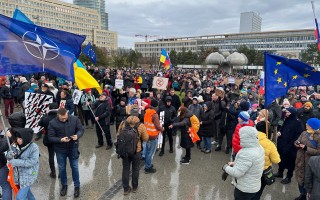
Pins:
<point x="76" y="192"/>
<point x="214" y="142"/>
<point x="207" y="151"/>
<point x="301" y="197"/>
<point x="185" y="161"/>
<point x="203" y="150"/>
<point x="64" y="190"/>
<point x="161" y="153"/>
<point x="150" y="171"/>
<point x="127" y="192"/>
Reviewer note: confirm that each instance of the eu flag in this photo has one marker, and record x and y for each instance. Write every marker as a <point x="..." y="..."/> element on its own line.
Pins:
<point x="27" y="48"/>
<point x="89" y="51"/>
<point x="282" y="73"/>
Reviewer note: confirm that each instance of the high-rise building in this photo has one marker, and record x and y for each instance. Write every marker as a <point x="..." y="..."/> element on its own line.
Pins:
<point x="250" y="22"/>
<point x="67" y="17"/>
<point x="98" y="5"/>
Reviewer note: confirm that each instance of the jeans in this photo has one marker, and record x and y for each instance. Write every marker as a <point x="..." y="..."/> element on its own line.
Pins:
<point x="302" y="190"/>
<point x="25" y="194"/>
<point x="207" y="142"/>
<point x="144" y="149"/>
<point x="4" y="184"/>
<point x="151" y="147"/>
<point x="126" y="163"/>
<point x="106" y="130"/>
<point x="239" y="195"/>
<point x="62" y="162"/>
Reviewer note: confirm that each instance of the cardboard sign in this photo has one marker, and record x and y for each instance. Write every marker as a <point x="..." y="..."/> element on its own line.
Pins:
<point x="76" y="96"/>
<point x="119" y="83"/>
<point x="237" y="81"/>
<point x="160" y="83"/>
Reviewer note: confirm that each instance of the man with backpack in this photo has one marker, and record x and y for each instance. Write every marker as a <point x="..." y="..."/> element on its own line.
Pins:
<point x="129" y="148"/>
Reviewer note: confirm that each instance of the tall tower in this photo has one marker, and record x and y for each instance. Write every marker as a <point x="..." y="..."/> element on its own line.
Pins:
<point x="250" y="22"/>
<point x="98" y="5"/>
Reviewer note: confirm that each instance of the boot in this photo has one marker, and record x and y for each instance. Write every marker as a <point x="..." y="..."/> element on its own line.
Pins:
<point x="171" y="150"/>
<point x="53" y="175"/>
<point x="301" y="197"/>
<point x="76" y="192"/>
<point x="287" y="180"/>
<point x="63" y="191"/>
<point x="161" y="153"/>
<point x="218" y="148"/>
<point x="278" y="175"/>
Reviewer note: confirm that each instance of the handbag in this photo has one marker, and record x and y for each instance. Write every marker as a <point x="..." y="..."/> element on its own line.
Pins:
<point x="268" y="176"/>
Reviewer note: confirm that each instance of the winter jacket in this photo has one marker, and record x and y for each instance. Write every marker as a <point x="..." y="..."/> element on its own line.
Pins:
<point x="312" y="177"/>
<point x="26" y="166"/>
<point x="169" y="114"/>
<point x="271" y="154"/>
<point x="186" y="101"/>
<point x="184" y="125"/>
<point x="142" y="131"/>
<point x="44" y="122"/>
<point x="196" y="109"/>
<point x="249" y="163"/>
<point x="103" y="111"/>
<point x="304" y="115"/>
<point x="120" y="113"/>
<point x="58" y="130"/>
<point x="3" y="148"/>
<point x="206" y="125"/>
<point x="6" y="92"/>
<point x="277" y="113"/>
<point x="217" y="107"/>
<point x="290" y="131"/>
<point x="176" y="103"/>
<point x="23" y="88"/>
<point x="236" y="138"/>
<point x="303" y="156"/>
<point x="84" y="99"/>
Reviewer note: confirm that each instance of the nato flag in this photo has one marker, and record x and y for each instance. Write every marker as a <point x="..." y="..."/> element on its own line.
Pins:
<point x="282" y="73"/>
<point x="27" y="48"/>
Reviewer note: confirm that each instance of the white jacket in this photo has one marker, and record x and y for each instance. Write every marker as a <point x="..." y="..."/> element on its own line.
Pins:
<point x="249" y="162"/>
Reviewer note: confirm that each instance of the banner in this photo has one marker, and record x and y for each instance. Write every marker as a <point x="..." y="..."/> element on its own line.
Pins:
<point x="160" y="83"/>
<point x="76" y="96"/>
<point x="119" y="83"/>
<point x="36" y="105"/>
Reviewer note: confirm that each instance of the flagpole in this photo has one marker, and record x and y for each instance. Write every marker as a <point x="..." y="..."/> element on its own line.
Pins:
<point x="314" y="13"/>
<point x="96" y="120"/>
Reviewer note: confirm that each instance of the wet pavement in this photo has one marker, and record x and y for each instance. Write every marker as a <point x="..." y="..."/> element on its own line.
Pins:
<point x="100" y="176"/>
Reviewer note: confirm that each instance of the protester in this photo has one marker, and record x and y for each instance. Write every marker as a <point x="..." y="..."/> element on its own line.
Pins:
<point x="65" y="131"/>
<point x="4" y="184"/>
<point x="206" y="126"/>
<point x="248" y="165"/>
<point x="88" y="97"/>
<point x="133" y="160"/>
<point x="312" y="181"/>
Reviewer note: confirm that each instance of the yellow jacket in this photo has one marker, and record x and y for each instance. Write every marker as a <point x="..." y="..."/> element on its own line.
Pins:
<point x="271" y="154"/>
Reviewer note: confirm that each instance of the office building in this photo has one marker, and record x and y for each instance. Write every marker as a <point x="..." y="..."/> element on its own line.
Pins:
<point x="287" y="42"/>
<point x="250" y="22"/>
<point x="64" y="16"/>
<point x="98" y="5"/>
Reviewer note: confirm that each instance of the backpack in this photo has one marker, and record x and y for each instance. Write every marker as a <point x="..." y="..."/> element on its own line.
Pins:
<point x="195" y="124"/>
<point x="127" y="141"/>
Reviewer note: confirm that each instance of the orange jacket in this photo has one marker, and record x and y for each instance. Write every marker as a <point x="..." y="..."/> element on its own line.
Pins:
<point x="152" y="130"/>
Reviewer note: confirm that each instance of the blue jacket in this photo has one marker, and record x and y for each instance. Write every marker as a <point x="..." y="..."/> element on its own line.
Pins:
<point x="26" y="167"/>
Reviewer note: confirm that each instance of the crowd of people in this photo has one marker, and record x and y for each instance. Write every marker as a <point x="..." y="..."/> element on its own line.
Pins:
<point x="286" y="132"/>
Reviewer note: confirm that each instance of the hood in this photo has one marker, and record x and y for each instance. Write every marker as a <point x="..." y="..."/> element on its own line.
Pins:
<point x="248" y="137"/>
<point x="209" y="105"/>
<point x="17" y="120"/>
<point x="132" y="120"/>
<point x="261" y="136"/>
<point x="26" y="135"/>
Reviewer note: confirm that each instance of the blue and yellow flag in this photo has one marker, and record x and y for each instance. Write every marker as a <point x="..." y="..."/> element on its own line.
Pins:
<point x="165" y="59"/>
<point x="282" y="73"/>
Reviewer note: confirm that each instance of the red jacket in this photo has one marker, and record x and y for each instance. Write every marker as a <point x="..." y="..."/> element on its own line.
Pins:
<point x="236" y="137"/>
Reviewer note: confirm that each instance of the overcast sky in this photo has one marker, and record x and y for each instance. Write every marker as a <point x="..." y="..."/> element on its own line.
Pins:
<point x="169" y="18"/>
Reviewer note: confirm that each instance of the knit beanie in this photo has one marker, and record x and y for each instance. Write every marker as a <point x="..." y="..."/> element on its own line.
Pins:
<point x="292" y="110"/>
<point x="244" y="106"/>
<point x="244" y="115"/>
<point x="314" y="123"/>
<point x="34" y="86"/>
<point x="123" y="99"/>
<point x="308" y="104"/>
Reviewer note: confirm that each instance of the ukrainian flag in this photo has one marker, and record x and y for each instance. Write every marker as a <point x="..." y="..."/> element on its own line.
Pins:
<point x="83" y="79"/>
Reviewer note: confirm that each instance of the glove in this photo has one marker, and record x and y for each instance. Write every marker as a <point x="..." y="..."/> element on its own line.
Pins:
<point x="224" y="176"/>
<point x="224" y="167"/>
<point x="10" y="155"/>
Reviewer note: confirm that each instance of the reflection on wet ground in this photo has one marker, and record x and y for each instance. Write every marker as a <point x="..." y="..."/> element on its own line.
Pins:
<point x="100" y="176"/>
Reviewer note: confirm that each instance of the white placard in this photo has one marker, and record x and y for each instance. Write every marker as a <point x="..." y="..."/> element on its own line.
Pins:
<point x="231" y="80"/>
<point x="119" y="83"/>
<point x="76" y="96"/>
<point x="160" y="83"/>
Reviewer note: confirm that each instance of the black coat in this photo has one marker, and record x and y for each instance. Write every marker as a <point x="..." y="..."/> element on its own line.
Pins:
<point x="103" y="111"/>
<point x="6" y="93"/>
<point x="176" y="103"/>
<point x="206" y="121"/>
<point x="305" y="115"/>
<point x="120" y="113"/>
<point x="23" y="88"/>
<point x="58" y="130"/>
<point x="44" y="122"/>
<point x="3" y="147"/>
<point x="184" y="126"/>
<point x="169" y="114"/>
<point x="290" y="131"/>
